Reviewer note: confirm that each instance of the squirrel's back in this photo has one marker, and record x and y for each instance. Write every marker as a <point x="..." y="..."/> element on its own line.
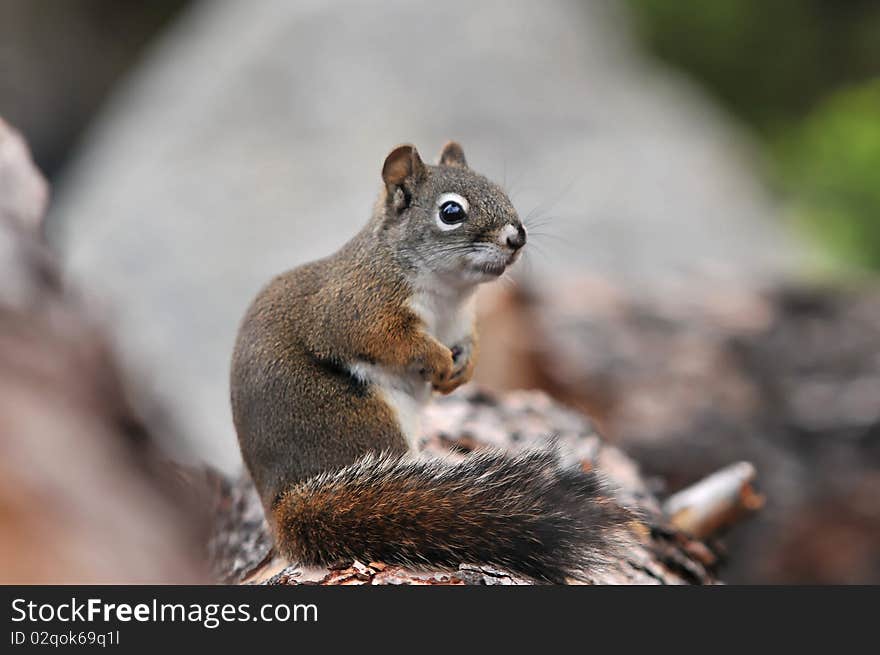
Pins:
<point x="299" y="412"/>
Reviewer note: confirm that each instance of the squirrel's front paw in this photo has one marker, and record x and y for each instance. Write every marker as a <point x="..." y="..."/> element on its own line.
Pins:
<point x="438" y="367"/>
<point x="462" y="368"/>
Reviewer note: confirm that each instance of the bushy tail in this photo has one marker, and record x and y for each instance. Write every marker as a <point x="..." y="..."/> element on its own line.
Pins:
<point x="523" y="513"/>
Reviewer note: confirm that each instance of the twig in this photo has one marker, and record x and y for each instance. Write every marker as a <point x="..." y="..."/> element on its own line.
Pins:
<point x="715" y="502"/>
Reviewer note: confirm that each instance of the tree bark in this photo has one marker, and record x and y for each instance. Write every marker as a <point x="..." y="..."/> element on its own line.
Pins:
<point x="459" y="424"/>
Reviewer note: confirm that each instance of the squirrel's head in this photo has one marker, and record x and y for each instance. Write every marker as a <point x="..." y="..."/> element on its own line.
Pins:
<point x="447" y="219"/>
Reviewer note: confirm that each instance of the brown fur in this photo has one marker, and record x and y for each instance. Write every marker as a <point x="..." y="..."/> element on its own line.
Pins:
<point x="520" y="512"/>
<point x="308" y="426"/>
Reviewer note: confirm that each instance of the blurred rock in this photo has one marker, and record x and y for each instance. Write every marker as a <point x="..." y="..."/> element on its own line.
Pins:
<point x="689" y="378"/>
<point x="24" y="194"/>
<point x="252" y="138"/>
<point x="85" y="496"/>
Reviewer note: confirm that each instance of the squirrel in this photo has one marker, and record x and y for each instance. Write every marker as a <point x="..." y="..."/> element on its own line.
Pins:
<point x="334" y="360"/>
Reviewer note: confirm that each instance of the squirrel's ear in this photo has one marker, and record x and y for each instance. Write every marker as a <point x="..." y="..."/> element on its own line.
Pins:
<point x="403" y="168"/>
<point x="452" y="155"/>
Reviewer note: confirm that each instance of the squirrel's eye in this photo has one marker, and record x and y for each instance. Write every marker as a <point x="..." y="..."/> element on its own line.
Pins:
<point x="451" y="211"/>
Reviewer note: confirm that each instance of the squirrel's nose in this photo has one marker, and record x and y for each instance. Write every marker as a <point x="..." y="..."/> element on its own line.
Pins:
<point x="518" y="239"/>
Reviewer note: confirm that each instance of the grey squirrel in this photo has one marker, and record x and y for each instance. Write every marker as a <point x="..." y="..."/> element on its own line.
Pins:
<point x="334" y="360"/>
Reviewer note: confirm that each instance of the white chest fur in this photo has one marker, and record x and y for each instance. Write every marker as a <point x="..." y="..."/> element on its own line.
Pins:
<point x="448" y="317"/>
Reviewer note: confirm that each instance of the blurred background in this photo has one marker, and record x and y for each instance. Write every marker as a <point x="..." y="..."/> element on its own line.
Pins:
<point x="700" y="178"/>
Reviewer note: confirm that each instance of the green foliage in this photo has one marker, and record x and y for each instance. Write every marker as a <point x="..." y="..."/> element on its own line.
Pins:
<point x="806" y="75"/>
<point x="768" y="60"/>
<point x="830" y="165"/>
